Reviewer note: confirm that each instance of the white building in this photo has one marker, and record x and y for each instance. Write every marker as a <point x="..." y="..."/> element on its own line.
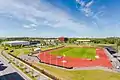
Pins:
<point x="50" y="41"/>
<point x="14" y="43"/>
<point x="82" y="41"/>
<point x="37" y="49"/>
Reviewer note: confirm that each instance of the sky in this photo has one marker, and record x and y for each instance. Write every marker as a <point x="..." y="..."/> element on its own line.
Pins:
<point x="55" y="18"/>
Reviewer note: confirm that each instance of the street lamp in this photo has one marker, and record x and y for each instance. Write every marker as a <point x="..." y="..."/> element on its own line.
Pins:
<point x="64" y="61"/>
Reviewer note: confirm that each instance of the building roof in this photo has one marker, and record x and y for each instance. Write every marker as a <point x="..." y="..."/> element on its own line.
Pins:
<point x="17" y="42"/>
<point x="37" y="49"/>
<point x="118" y="55"/>
<point x="84" y="40"/>
<point x="10" y="42"/>
<point x="114" y="59"/>
<point x="118" y="58"/>
<point x="111" y="49"/>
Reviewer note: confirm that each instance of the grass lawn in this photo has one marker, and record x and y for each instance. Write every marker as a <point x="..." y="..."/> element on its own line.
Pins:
<point x="76" y="52"/>
<point x="80" y="74"/>
<point x="46" y="48"/>
<point x="23" y="51"/>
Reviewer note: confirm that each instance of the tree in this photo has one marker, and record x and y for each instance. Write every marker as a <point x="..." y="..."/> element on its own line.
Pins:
<point x="71" y="40"/>
<point x="117" y="44"/>
<point x="1" y="41"/>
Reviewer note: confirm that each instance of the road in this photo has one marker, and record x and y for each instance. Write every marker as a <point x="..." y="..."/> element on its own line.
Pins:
<point x="8" y="72"/>
<point x="29" y="58"/>
<point x="114" y="61"/>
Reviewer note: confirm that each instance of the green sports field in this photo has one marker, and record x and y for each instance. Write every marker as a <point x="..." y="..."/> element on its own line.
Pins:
<point x="76" y="52"/>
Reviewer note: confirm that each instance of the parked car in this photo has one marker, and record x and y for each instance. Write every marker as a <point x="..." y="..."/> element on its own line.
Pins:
<point x="9" y="62"/>
<point x="11" y="50"/>
<point x="5" y="48"/>
<point x="1" y="64"/>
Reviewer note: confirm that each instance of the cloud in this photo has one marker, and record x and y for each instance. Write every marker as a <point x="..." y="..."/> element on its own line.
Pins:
<point x="33" y="29"/>
<point x="82" y="3"/>
<point x="35" y="13"/>
<point x="88" y="12"/>
<point x="99" y="14"/>
<point x="94" y="15"/>
<point x="89" y="4"/>
<point x="27" y="26"/>
<point x="117" y="25"/>
<point x="30" y="26"/>
<point x="85" y="7"/>
<point x="33" y="25"/>
<point x="95" y="23"/>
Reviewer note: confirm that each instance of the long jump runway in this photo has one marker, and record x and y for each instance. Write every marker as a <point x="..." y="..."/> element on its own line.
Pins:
<point x="68" y="62"/>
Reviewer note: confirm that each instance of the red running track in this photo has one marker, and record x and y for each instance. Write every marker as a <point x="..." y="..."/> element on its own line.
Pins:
<point x="103" y="60"/>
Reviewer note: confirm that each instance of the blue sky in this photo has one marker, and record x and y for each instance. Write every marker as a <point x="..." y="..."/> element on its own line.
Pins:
<point x="54" y="18"/>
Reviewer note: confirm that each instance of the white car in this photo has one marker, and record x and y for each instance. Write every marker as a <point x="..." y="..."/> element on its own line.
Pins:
<point x="118" y="67"/>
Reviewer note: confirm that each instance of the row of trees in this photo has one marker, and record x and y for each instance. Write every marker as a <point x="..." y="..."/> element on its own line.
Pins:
<point x="109" y="40"/>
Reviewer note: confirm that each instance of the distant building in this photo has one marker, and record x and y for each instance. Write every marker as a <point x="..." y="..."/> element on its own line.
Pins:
<point x="34" y="42"/>
<point x="63" y="39"/>
<point x="83" y="41"/>
<point x="37" y="49"/>
<point x="50" y="41"/>
<point x="14" y="43"/>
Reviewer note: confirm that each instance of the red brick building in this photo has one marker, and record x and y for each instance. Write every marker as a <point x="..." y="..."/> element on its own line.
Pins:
<point x="62" y="39"/>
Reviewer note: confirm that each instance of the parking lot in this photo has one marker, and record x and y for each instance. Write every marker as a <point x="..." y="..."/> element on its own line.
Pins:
<point x="27" y="68"/>
<point x="8" y="72"/>
<point x="114" y="57"/>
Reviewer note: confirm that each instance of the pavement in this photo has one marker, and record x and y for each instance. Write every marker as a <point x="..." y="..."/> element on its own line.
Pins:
<point x="29" y="58"/>
<point x="113" y="60"/>
<point x="9" y="72"/>
<point x="32" y="59"/>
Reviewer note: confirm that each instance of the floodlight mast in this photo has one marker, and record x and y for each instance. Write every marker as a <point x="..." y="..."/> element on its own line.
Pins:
<point x="63" y="60"/>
